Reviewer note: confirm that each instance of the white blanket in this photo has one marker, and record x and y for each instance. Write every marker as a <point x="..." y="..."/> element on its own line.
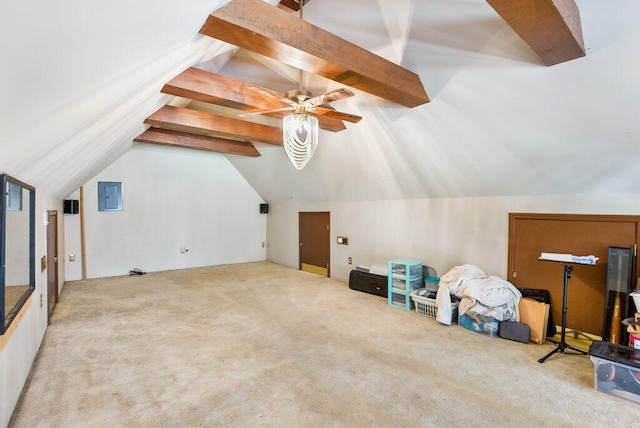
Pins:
<point x="488" y="295"/>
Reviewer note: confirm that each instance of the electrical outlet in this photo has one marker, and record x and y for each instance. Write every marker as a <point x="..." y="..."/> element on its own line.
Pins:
<point x="350" y="260"/>
<point x="263" y="245"/>
<point x="40" y="299"/>
<point x="183" y="250"/>
<point x="72" y="257"/>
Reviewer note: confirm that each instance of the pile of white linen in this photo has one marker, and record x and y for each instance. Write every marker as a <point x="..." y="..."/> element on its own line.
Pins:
<point x="481" y="294"/>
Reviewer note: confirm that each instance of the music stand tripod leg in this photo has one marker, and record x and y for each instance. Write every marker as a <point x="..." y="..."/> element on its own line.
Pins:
<point x="560" y="346"/>
<point x="558" y="349"/>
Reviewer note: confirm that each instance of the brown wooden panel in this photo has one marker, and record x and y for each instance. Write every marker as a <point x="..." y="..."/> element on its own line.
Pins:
<point x="267" y="30"/>
<point x="52" y="265"/>
<point x="291" y="4"/>
<point x="550" y="27"/>
<point x="532" y="234"/>
<point x="315" y="239"/>
<point x="201" y="85"/>
<point x="167" y="137"/>
<point x="212" y="125"/>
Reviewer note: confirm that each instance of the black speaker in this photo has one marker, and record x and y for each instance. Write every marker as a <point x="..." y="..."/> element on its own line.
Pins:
<point x="264" y="208"/>
<point x="71" y="206"/>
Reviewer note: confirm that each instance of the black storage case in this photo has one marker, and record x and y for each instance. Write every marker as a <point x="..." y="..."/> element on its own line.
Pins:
<point x="617" y="353"/>
<point x="369" y="283"/>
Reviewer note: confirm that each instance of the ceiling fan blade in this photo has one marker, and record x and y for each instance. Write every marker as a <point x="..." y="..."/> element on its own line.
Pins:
<point x="272" y="94"/>
<point x="337" y="114"/>
<point x="254" y="113"/>
<point x="329" y="97"/>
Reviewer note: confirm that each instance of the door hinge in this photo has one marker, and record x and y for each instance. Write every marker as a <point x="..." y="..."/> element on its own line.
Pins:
<point x="514" y="275"/>
<point x="327" y="227"/>
<point x="635" y="250"/>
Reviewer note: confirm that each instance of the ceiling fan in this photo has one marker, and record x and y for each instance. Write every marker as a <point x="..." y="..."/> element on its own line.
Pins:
<point x="300" y="128"/>
<point x="301" y="102"/>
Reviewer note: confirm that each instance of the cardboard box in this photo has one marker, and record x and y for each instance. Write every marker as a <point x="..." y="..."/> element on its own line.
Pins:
<point x="634" y="341"/>
<point x="536" y="315"/>
<point x="634" y="332"/>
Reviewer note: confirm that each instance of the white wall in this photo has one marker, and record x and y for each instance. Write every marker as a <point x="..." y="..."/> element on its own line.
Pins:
<point x="22" y="346"/>
<point x="173" y="198"/>
<point x="442" y="233"/>
<point x="206" y="206"/>
<point x="73" y="269"/>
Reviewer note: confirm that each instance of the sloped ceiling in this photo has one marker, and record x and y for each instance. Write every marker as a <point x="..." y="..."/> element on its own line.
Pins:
<point x="499" y="123"/>
<point x="78" y="82"/>
<point x="78" y="79"/>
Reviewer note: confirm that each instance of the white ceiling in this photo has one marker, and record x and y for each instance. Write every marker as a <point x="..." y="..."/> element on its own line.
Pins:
<point x="78" y="79"/>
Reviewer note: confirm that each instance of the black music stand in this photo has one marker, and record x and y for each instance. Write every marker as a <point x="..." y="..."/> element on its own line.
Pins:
<point x="562" y="345"/>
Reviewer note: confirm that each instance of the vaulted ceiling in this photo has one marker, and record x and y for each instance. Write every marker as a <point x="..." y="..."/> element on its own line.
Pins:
<point x="552" y="29"/>
<point x="508" y="115"/>
<point x="267" y="30"/>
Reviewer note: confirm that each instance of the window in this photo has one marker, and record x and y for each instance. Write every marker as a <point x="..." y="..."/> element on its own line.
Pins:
<point x="14" y="197"/>
<point x="17" y="248"/>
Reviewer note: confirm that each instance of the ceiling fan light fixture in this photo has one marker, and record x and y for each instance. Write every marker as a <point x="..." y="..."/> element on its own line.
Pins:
<point x="300" y="138"/>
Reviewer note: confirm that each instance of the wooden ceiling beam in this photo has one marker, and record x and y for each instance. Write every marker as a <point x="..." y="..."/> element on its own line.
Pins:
<point x="213" y="125"/>
<point x="167" y="137"/>
<point x="272" y="32"/>
<point x="291" y="4"/>
<point x="200" y="85"/>
<point x="550" y="27"/>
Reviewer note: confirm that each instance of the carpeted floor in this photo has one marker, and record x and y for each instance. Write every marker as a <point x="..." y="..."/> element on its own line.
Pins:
<point x="259" y="344"/>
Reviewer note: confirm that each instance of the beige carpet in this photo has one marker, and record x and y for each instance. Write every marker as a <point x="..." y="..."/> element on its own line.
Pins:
<point x="259" y="344"/>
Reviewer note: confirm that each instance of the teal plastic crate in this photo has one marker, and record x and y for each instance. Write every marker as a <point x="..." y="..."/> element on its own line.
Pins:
<point x="405" y="267"/>
<point x="405" y="276"/>
<point x="431" y="282"/>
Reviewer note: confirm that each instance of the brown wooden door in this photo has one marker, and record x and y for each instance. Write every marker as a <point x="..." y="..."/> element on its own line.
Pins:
<point x="532" y="234"/>
<point x="52" y="264"/>
<point x="314" y="242"/>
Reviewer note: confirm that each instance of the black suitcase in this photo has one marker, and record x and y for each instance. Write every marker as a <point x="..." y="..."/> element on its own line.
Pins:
<point x="545" y="297"/>
<point x="369" y="283"/>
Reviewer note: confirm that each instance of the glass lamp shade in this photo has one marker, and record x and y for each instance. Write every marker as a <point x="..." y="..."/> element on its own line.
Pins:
<point x="300" y="137"/>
